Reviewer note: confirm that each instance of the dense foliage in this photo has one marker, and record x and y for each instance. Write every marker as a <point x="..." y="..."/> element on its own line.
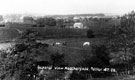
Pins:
<point x="90" y="34"/>
<point x="47" y="21"/>
<point x="18" y="62"/>
<point x="122" y="39"/>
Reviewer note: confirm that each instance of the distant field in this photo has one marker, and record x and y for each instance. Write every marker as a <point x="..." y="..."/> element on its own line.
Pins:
<point x="11" y="33"/>
<point x="57" y="32"/>
<point x="7" y="34"/>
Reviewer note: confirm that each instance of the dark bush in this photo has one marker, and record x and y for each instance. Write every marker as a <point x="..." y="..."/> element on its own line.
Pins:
<point x="102" y="54"/>
<point x="90" y="34"/>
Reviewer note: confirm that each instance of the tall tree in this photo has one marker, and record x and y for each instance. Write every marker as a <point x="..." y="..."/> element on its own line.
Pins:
<point x="123" y="38"/>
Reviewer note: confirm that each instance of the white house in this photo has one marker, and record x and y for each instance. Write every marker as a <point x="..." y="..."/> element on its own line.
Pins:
<point x="78" y="25"/>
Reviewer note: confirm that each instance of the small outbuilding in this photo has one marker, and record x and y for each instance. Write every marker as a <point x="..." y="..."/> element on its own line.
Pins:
<point x="78" y="25"/>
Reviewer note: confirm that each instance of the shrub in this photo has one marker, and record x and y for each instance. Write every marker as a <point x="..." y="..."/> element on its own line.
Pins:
<point x="90" y="34"/>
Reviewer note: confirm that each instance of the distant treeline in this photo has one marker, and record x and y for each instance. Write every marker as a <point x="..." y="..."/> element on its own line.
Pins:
<point x="73" y="15"/>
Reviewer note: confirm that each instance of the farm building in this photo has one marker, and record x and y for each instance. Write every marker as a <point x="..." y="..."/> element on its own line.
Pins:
<point x="78" y="25"/>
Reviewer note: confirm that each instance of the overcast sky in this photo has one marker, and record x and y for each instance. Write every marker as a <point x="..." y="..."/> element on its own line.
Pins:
<point x="66" y="6"/>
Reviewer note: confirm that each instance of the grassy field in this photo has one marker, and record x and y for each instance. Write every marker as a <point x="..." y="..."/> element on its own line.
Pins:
<point x="76" y="42"/>
<point x="56" y="32"/>
<point x="74" y="51"/>
<point x="10" y="33"/>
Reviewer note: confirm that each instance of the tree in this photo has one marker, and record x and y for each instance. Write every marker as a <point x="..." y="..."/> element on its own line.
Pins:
<point x="47" y="21"/>
<point x="28" y="19"/>
<point x="102" y="54"/>
<point x="60" y="23"/>
<point x="90" y="34"/>
<point x="50" y="21"/>
<point x="40" y="22"/>
<point x="19" y="61"/>
<point x="99" y="57"/>
<point x="123" y="38"/>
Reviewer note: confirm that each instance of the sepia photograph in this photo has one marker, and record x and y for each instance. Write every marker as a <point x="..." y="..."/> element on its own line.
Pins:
<point x="67" y="40"/>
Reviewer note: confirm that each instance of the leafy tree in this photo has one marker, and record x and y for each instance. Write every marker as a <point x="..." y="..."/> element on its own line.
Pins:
<point x="28" y="19"/>
<point x="18" y="63"/>
<point x="122" y="38"/>
<point x="69" y="22"/>
<point x="40" y="22"/>
<point x="47" y="21"/>
<point x="60" y="23"/>
<point x="99" y="58"/>
<point x="90" y="34"/>
<point x="50" y="21"/>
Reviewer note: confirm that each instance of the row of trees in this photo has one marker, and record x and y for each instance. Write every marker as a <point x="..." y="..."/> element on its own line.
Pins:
<point x="42" y="22"/>
<point x="47" y="21"/>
